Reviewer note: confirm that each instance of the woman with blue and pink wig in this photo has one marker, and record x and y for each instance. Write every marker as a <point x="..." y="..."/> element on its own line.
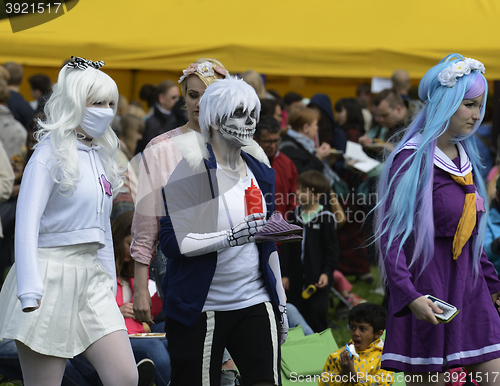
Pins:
<point x="429" y="232"/>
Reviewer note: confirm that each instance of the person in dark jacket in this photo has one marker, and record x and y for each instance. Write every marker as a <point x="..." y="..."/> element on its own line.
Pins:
<point x="299" y="143"/>
<point x="19" y="107"/>
<point x="328" y="129"/>
<point x="168" y="113"/>
<point x="313" y="263"/>
<point x="350" y="118"/>
<point x="221" y="288"/>
<point x="40" y="85"/>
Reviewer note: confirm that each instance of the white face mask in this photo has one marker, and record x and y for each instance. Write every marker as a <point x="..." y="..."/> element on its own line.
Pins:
<point x="96" y="120"/>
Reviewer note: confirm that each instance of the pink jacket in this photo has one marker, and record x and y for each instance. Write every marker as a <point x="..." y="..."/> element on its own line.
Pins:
<point x="134" y="326"/>
<point x="159" y="160"/>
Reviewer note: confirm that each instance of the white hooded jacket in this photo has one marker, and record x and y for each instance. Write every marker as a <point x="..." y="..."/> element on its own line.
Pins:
<point x="47" y="218"/>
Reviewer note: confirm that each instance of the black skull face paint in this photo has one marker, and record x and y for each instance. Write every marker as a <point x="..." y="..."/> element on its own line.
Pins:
<point x="239" y="127"/>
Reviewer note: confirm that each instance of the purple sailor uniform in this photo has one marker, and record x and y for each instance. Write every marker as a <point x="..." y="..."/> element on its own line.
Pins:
<point x="473" y="336"/>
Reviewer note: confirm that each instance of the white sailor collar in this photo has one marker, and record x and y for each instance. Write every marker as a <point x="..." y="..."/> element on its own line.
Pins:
<point x="441" y="160"/>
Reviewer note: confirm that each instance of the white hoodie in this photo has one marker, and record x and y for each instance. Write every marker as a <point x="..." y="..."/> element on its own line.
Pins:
<point x="47" y="218"/>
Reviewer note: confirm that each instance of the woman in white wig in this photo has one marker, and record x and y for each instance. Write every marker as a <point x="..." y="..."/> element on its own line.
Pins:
<point x="64" y="273"/>
<point x="221" y="288"/>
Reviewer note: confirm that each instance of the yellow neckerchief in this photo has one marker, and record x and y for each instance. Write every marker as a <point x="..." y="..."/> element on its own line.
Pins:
<point x="468" y="220"/>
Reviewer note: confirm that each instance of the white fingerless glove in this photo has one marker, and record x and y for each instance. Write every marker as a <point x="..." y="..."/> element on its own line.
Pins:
<point x="195" y="244"/>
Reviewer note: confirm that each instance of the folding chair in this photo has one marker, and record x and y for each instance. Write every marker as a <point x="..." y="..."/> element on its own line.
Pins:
<point x="341" y="298"/>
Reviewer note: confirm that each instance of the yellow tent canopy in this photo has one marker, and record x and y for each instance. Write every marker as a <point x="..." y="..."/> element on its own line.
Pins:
<point x="316" y="45"/>
<point x="325" y="38"/>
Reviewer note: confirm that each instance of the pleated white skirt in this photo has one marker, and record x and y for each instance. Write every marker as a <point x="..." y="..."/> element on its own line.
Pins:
<point x="78" y="305"/>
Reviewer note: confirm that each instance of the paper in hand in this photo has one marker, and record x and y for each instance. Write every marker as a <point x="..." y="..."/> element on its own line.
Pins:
<point x="363" y="163"/>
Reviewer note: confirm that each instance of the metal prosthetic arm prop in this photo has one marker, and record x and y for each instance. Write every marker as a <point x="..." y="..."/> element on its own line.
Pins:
<point x="274" y="263"/>
<point x="195" y="244"/>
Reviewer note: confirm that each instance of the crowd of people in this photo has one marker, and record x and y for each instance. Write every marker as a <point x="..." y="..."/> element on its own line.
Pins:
<point x="119" y="221"/>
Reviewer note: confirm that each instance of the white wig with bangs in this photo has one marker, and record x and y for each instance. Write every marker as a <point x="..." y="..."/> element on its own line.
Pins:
<point x="222" y="98"/>
<point x="64" y="111"/>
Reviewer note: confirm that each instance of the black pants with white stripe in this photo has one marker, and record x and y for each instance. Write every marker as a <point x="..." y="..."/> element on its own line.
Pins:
<point x="250" y="335"/>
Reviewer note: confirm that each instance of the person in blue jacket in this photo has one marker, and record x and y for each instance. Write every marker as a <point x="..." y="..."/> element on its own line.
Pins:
<point x="221" y="288"/>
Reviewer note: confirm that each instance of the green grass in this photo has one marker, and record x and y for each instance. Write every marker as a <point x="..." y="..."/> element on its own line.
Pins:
<point x="364" y="290"/>
<point x="10" y="383"/>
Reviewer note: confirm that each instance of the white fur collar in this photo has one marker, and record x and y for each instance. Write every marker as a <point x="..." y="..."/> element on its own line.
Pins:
<point x="192" y="147"/>
<point x="257" y="152"/>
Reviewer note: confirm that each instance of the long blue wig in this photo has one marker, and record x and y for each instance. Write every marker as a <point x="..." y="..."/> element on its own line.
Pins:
<point x="404" y="207"/>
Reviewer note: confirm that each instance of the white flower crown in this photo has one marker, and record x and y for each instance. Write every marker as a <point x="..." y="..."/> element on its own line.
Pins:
<point x="448" y="77"/>
<point x="205" y="69"/>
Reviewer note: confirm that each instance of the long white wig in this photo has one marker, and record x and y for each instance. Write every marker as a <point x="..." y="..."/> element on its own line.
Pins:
<point x="222" y="98"/>
<point x="75" y="88"/>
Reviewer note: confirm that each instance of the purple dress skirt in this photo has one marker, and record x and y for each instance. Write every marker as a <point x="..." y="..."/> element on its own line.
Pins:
<point x="473" y="336"/>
